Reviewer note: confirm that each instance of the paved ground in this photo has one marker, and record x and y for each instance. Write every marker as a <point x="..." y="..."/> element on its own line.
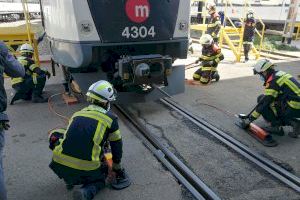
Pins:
<point x="27" y="157"/>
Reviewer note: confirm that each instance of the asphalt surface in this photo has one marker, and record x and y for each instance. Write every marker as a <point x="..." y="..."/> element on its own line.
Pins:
<point x="27" y="156"/>
<point x="228" y="174"/>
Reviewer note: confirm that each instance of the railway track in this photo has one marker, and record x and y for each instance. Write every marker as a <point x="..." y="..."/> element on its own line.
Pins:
<point x="182" y="172"/>
<point x="267" y="165"/>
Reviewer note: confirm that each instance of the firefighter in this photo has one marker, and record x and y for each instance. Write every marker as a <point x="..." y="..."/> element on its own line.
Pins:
<point x="13" y="68"/>
<point x="78" y="150"/>
<point x="280" y="103"/>
<point x="214" y="25"/>
<point x="249" y="30"/>
<point x="31" y="86"/>
<point x="211" y="56"/>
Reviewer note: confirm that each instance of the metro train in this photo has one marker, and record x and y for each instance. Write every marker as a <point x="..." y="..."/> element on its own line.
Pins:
<point x="272" y="12"/>
<point x="131" y="43"/>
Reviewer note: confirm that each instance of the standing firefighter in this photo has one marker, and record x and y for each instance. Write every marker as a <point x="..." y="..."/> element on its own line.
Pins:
<point x="78" y="152"/>
<point x="280" y="104"/>
<point x="10" y="66"/>
<point x="214" y="25"/>
<point x="211" y="56"/>
<point x="31" y="86"/>
<point x="249" y="31"/>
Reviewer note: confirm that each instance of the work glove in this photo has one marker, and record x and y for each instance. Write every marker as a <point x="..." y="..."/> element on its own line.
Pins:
<point x="48" y="74"/>
<point x="4" y="125"/>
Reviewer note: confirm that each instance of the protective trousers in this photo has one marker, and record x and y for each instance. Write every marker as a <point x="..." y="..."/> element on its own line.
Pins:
<point x="2" y="182"/>
<point x="205" y="74"/>
<point x="247" y="48"/>
<point x="280" y="114"/>
<point x="28" y="88"/>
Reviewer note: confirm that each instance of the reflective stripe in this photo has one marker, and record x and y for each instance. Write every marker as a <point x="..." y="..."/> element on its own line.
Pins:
<point x="293" y="87"/>
<point x="255" y="114"/>
<point x="89" y="94"/>
<point x="16" y="80"/>
<point x="214" y="24"/>
<point x="34" y="78"/>
<point x="98" y="136"/>
<point x="271" y="92"/>
<point x="196" y="76"/>
<point x="94" y="115"/>
<point x="273" y="108"/>
<point x="33" y="67"/>
<point x="75" y="163"/>
<point x="204" y="80"/>
<point x="206" y="68"/>
<point x="115" y="136"/>
<point x="294" y="104"/>
<point x="283" y="78"/>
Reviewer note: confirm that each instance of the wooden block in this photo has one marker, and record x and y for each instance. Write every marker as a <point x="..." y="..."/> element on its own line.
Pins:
<point x="69" y="99"/>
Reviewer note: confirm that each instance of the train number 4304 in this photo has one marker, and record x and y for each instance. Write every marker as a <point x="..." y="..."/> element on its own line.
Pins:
<point x="138" y="32"/>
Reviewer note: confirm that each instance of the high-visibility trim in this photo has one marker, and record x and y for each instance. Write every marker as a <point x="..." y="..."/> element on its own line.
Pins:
<point x="204" y="80"/>
<point x="196" y="76"/>
<point x="94" y="115"/>
<point x="58" y="149"/>
<point x="293" y="87"/>
<point x="255" y="114"/>
<point x="294" y="104"/>
<point x="91" y="95"/>
<point x="33" y="67"/>
<point x="75" y="163"/>
<point x="283" y="78"/>
<point x="34" y="78"/>
<point x="273" y="108"/>
<point x="210" y="58"/>
<point x="16" y="80"/>
<point x="206" y="68"/>
<point x="115" y="136"/>
<point x="59" y="130"/>
<point x="271" y="92"/>
<point x="214" y="24"/>
<point x="217" y="60"/>
<point x="102" y="87"/>
<point x="98" y="136"/>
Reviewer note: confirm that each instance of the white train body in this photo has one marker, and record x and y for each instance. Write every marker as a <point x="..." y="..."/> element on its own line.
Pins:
<point x="129" y="42"/>
<point x="270" y="11"/>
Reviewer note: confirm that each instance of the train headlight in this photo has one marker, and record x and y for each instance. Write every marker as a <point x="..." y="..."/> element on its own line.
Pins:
<point x="142" y="70"/>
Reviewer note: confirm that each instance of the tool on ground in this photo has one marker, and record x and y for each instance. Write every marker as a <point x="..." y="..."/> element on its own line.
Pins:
<point x="258" y="133"/>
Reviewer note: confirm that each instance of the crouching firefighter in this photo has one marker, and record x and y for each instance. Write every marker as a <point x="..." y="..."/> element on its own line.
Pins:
<point x="210" y="58"/>
<point x="31" y="86"/>
<point x="78" y="151"/>
<point x="280" y="104"/>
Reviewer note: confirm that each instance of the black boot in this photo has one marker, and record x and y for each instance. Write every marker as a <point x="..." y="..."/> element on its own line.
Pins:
<point x="296" y="129"/>
<point x="121" y="181"/>
<point x="89" y="191"/>
<point x="216" y="76"/>
<point x="39" y="99"/>
<point x="276" y="130"/>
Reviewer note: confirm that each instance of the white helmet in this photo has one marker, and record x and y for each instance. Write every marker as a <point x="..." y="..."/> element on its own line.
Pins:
<point x="250" y="13"/>
<point x="206" y="39"/>
<point x="211" y="7"/>
<point x="262" y="66"/>
<point x="101" y="91"/>
<point x="26" y="48"/>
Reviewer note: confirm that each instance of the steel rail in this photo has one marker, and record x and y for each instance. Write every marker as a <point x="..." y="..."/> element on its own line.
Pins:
<point x="266" y="164"/>
<point x="184" y="175"/>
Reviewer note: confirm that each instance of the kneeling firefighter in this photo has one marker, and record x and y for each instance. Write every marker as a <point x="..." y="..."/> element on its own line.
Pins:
<point x="210" y="58"/>
<point x="31" y="86"/>
<point x="78" y="151"/>
<point x="280" y="104"/>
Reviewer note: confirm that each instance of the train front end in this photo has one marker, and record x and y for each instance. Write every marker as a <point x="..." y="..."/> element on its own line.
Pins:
<point x="131" y="43"/>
